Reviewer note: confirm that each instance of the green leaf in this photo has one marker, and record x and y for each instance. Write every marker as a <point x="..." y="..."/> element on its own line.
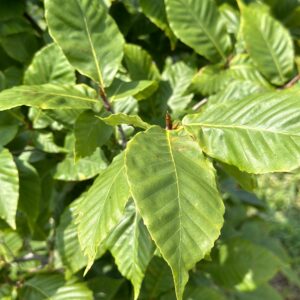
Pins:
<point x="235" y="91"/>
<point x="50" y="96"/>
<point x="10" y="244"/>
<point x="9" y="186"/>
<point x="45" y="142"/>
<point x="139" y="63"/>
<point x="231" y="268"/>
<point x="20" y="46"/>
<point x="158" y="279"/>
<point x="121" y="89"/>
<point x="90" y="133"/>
<point x="174" y="188"/>
<point x="2" y="81"/>
<point x="8" y="128"/>
<point x="120" y="118"/>
<point x="132" y="248"/>
<point x="203" y="293"/>
<point x="88" y="36"/>
<point x="210" y="80"/>
<point x="67" y="239"/>
<point x="30" y="191"/>
<point x="82" y="169"/>
<point x="105" y="288"/>
<point x="231" y="17"/>
<point x="199" y="25"/>
<point x="11" y="9"/>
<point x="265" y="291"/>
<point x="49" y="65"/>
<point x="155" y="10"/>
<point x="268" y="43"/>
<point x="102" y="207"/>
<point x="178" y="76"/>
<point x="258" y="134"/>
<point x="54" y="287"/>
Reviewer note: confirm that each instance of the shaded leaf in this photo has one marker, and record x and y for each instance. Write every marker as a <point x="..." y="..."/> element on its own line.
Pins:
<point x="132" y="248"/>
<point x="9" y="186"/>
<point x="120" y="118"/>
<point x="90" y="133"/>
<point x="49" y="65"/>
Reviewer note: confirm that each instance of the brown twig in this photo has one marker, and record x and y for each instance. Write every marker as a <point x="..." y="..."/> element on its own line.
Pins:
<point x="168" y="121"/>
<point x="110" y="109"/>
<point x="292" y="82"/>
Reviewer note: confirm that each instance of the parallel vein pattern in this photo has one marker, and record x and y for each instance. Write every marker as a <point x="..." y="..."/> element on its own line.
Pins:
<point x="175" y="192"/>
<point x="50" y="96"/>
<point x="102" y="207"/>
<point x="199" y="25"/>
<point x="88" y="36"/>
<point x="132" y="248"/>
<point x="259" y="134"/>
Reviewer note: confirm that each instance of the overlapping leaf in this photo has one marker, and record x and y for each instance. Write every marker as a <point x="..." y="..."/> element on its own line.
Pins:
<point x="173" y="186"/>
<point x="88" y="36"/>
<point x="132" y="248"/>
<point x="50" y="96"/>
<point x="199" y="25"/>
<point x="9" y="186"/>
<point x="268" y="43"/>
<point x="258" y="134"/>
<point x="120" y="118"/>
<point x="102" y="207"/>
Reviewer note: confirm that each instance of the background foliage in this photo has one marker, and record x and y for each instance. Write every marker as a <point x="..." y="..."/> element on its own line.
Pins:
<point x="64" y="232"/>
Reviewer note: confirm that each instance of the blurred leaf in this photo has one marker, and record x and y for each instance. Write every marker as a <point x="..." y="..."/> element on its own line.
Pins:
<point x="120" y="118"/>
<point x="121" y="89"/>
<point x="71" y="169"/>
<point x="155" y="10"/>
<point x="9" y="186"/>
<point x="49" y="65"/>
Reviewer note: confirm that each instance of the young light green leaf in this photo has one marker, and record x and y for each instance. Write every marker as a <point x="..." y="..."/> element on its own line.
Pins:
<point x="155" y="10"/>
<point x="199" y="25"/>
<point x="121" y="89"/>
<point x="132" y="248"/>
<point x="102" y="207"/>
<point x="9" y="186"/>
<point x="258" y="134"/>
<point x="90" y="133"/>
<point x="174" y="189"/>
<point x="120" y="118"/>
<point x="50" y="96"/>
<point x="268" y="43"/>
<point x="49" y="65"/>
<point x="88" y="36"/>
